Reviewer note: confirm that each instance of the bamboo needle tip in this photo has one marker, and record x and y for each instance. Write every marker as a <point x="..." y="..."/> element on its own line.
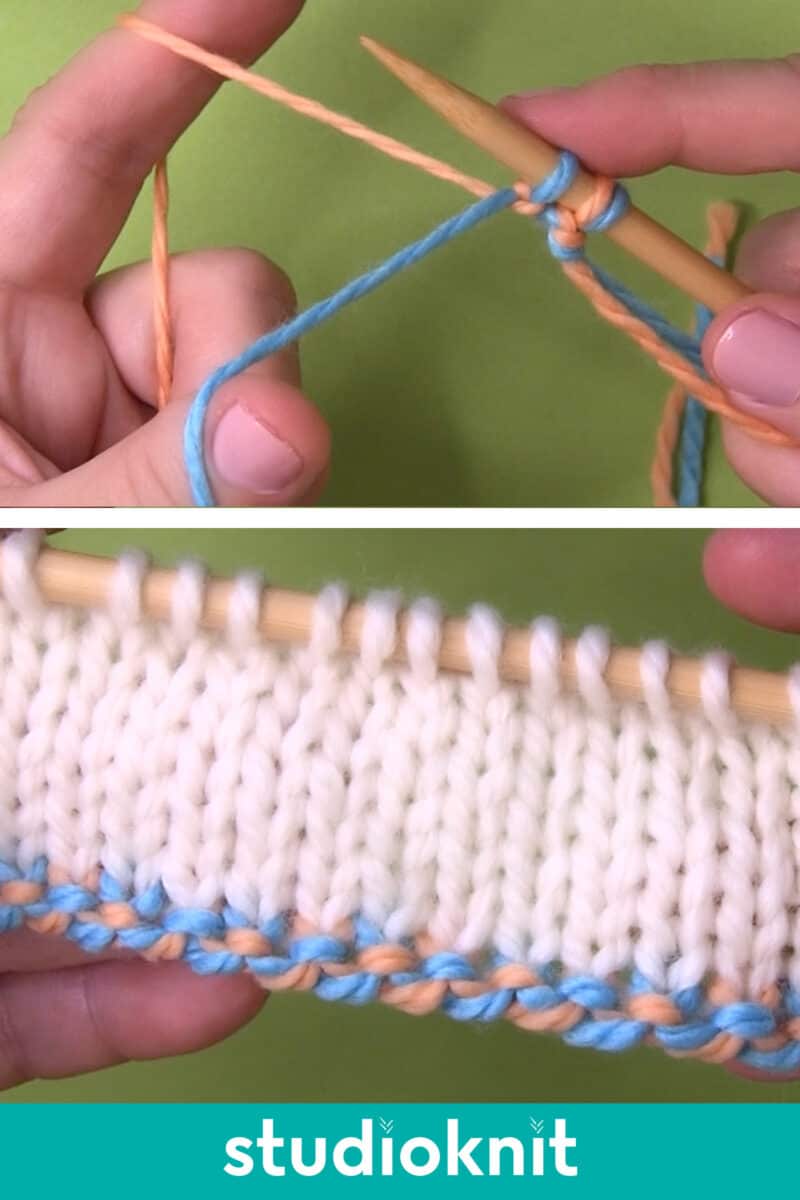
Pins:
<point x="438" y="93"/>
<point x="383" y="54"/>
<point x="434" y="90"/>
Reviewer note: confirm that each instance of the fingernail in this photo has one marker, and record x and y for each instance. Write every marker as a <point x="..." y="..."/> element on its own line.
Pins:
<point x="758" y="359"/>
<point x="248" y="454"/>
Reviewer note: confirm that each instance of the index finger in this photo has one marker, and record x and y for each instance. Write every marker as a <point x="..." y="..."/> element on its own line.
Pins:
<point x="80" y="149"/>
<point x="729" y="117"/>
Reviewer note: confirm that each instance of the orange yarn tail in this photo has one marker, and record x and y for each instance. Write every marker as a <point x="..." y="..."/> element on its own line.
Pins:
<point x="164" y="334"/>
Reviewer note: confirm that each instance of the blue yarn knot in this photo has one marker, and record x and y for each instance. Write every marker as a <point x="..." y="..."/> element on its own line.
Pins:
<point x="613" y="1035"/>
<point x="318" y="948"/>
<point x="745" y="1019"/>
<point x="589" y="992"/>
<point x="489" y="1006"/>
<point x="552" y="190"/>
<point x="559" y="181"/>
<point x="359" y="988"/>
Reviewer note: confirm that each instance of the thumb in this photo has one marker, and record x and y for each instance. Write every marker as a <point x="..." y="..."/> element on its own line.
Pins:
<point x="753" y="348"/>
<point x="265" y="444"/>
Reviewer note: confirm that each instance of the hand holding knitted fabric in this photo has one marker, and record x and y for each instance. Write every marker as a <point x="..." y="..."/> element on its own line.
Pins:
<point x="77" y="373"/>
<point x="63" y="1012"/>
<point x="729" y="117"/>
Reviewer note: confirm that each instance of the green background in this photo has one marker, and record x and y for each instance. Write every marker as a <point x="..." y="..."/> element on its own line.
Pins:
<point x="478" y="378"/>
<point x="640" y="584"/>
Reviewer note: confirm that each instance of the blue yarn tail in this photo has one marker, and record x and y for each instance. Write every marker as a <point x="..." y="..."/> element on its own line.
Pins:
<point x="694" y="429"/>
<point x="694" y="432"/>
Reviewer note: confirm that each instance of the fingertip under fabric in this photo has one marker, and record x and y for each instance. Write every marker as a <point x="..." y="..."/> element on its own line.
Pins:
<point x="754" y="1076"/>
<point x="115" y="1012"/>
<point x="187" y="1011"/>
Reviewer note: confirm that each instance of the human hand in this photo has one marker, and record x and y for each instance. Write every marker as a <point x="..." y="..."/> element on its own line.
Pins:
<point x="730" y="117"/>
<point x="77" y="356"/>
<point x="64" y="1012"/>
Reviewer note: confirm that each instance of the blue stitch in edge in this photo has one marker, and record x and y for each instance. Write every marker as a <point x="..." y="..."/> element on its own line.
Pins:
<point x="744" y="1019"/>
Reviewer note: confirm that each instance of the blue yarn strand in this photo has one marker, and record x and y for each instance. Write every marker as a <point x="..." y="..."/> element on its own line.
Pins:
<point x="276" y="339"/>
<point x="548" y="192"/>
<point x="620" y="203"/>
<point x="559" y="181"/>
<point x="694" y="431"/>
<point x="686" y="344"/>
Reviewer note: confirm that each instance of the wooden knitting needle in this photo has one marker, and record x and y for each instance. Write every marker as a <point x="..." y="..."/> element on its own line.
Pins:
<point x="286" y="617"/>
<point x="533" y="159"/>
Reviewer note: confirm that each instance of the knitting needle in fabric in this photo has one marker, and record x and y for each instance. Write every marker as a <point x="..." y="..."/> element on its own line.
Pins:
<point x="287" y="616"/>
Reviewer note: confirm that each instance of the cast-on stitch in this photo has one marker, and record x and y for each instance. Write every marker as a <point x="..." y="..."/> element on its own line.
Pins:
<point x="616" y="872"/>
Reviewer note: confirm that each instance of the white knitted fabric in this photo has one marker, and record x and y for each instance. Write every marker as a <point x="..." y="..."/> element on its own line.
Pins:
<point x="547" y="827"/>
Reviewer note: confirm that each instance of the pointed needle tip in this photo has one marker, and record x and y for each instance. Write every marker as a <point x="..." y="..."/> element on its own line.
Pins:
<point x="389" y="58"/>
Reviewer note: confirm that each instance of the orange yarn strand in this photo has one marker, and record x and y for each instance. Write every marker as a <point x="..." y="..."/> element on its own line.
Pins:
<point x="667" y="435"/>
<point x="306" y="107"/>
<point x="670" y="361"/>
<point x="164" y="335"/>
<point x="723" y="218"/>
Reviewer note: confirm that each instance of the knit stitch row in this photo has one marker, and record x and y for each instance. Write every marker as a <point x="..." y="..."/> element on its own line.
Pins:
<point x="615" y="870"/>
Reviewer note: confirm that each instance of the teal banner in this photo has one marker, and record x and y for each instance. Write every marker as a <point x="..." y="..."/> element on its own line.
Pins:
<point x="357" y="1150"/>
